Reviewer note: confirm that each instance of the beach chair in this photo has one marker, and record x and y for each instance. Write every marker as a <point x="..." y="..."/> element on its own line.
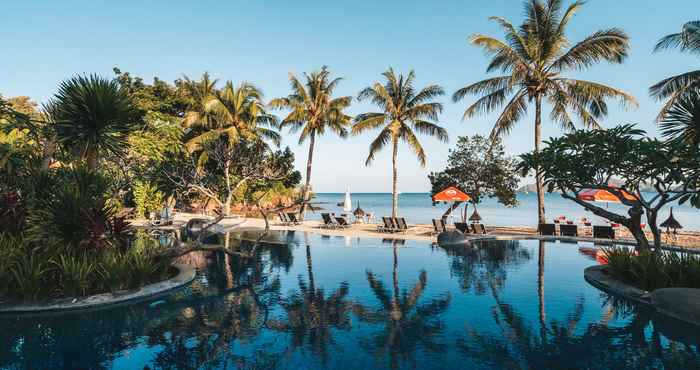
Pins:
<point x="401" y="224"/>
<point x="283" y="218"/>
<point x="462" y="227"/>
<point x="388" y="225"/>
<point x="342" y="222"/>
<point x="603" y="232"/>
<point x="292" y="218"/>
<point x="568" y="230"/>
<point x="546" y="229"/>
<point x="439" y="226"/>
<point x="478" y="229"/>
<point x="328" y="221"/>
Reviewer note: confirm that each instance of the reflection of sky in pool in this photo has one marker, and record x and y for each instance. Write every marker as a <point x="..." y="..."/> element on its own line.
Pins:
<point x="365" y="303"/>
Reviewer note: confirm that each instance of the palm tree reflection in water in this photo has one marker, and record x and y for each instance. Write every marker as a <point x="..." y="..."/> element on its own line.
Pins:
<point x="407" y="324"/>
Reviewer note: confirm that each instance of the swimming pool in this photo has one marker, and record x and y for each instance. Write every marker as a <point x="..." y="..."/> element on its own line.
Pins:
<point x="336" y="302"/>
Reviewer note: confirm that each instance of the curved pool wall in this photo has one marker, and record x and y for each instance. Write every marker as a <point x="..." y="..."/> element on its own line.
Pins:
<point x="371" y="303"/>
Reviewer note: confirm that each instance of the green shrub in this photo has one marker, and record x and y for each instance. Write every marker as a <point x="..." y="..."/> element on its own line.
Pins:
<point x="147" y="198"/>
<point x="654" y="270"/>
<point x="76" y="274"/>
<point x="30" y="271"/>
<point x="113" y="271"/>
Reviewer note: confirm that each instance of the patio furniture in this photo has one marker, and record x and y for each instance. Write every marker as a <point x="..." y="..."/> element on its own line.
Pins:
<point x="547" y="229"/>
<point x="401" y="224"/>
<point x="292" y="218"/>
<point x="439" y="226"/>
<point x="342" y="222"/>
<point x="568" y="230"/>
<point x="388" y="225"/>
<point x="603" y="232"/>
<point x="328" y="221"/>
<point x="463" y="227"/>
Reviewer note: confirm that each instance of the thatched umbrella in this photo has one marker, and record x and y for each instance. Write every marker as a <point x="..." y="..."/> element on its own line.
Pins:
<point x="671" y="223"/>
<point x="359" y="212"/>
<point x="475" y="217"/>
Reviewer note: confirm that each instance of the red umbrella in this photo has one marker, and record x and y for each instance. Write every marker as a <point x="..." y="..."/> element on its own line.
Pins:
<point x="600" y="195"/>
<point x="451" y="194"/>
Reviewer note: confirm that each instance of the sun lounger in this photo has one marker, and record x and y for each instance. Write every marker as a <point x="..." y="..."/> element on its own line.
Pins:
<point x="478" y="229"/>
<point x="388" y="225"/>
<point x="283" y="218"/>
<point x="603" y="232"/>
<point x="292" y="218"/>
<point x="462" y="227"/>
<point x="439" y="226"/>
<point x="342" y="222"/>
<point x="546" y="229"/>
<point x="328" y="221"/>
<point x="568" y="230"/>
<point x="401" y="224"/>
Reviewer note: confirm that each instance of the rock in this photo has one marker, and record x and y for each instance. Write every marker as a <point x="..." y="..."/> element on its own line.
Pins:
<point x="452" y="238"/>
<point x="680" y="303"/>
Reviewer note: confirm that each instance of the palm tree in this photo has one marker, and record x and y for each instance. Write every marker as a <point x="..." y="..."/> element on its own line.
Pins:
<point x="233" y="112"/>
<point x="681" y="123"/>
<point x="313" y="111"/>
<point x="198" y="93"/>
<point x="674" y="87"/>
<point x="404" y="110"/>
<point x="93" y="117"/>
<point x="533" y="58"/>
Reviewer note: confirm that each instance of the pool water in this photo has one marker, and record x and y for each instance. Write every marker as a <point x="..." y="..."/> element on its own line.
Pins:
<point x="350" y="303"/>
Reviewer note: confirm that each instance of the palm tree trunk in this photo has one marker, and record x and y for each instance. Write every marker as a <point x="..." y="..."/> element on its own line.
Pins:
<point x="394" y="189"/>
<point x="538" y="175"/>
<point x="229" y="193"/>
<point x="47" y="153"/>
<point x="307" y="186"/>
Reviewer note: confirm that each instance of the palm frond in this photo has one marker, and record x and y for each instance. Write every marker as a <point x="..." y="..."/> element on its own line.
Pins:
<point x="486" y="86"/>
<point x="431" y="129"/>
<point x="377" y="144"/>
<point x="413" y="143"/>
<point x="512" y="113"/>
<point x="686" y="40"/>
<point x="669" y="86"/>
<point x="368" y="121"/>
<point x="609" y="45"/>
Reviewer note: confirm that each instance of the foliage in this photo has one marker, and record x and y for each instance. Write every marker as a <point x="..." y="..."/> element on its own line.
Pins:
<point x="147" y="198"/>
<point x="159" y="97"/>
<point x="480" y="168"/>
<point x="678" y="87"/>
<point x="12" y="213"/>
<point x="681" y="123"/>
<point x="405" y="111"/>
<point x="590" y="159"/>
<point x="94" y="117"/>
<point x="650" y="271"/>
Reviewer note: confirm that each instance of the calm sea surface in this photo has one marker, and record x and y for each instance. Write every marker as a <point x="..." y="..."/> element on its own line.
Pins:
<point x="418" y="208"/>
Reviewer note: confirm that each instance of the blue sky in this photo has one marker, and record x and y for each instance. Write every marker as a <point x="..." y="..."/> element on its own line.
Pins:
<point x="44" y="42"/>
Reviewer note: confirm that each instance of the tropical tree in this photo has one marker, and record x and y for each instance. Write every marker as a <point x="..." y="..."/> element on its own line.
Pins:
<point x="93" y="117"/>
<point x="233" y="112"/>
<point x="405" y="111"/>
<point x="314" y="110"/>
<point x="533" y="59"/>
<point x="681" y="123"/>
<point x="675" y="87"/>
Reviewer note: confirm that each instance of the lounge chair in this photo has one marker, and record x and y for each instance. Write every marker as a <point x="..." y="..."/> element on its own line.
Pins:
<point x="283" y="218"/>
<point x="439" y="226"/>
<point x="342" y="222"/>
<point x="568" y="230"/>
<point x="546" y="229"/>
<point x="292" y="218"/>
<point x="401" y="224"/>
<point x="603" y="232"/>
<point x="478" y="229"/>
<point x="463" y="227"/>
<point x="388" y="226"/>
<point x="328" y="221"/>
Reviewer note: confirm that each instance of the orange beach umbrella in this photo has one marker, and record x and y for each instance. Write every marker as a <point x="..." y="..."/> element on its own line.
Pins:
<point x="451" y="194"/>
<point x="600" y="195"/>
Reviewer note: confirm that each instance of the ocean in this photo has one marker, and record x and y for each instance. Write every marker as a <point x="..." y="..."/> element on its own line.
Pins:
<point x="418" y="208"/>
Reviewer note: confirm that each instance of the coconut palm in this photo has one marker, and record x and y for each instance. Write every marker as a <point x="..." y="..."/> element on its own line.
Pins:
<point x="533" y="58"/>
<point x="233" y="112"/>
<point x="198" y="93"/>
<point x="93" y="117"/>
<point x="672" y="88"/>
<point x="314" y="111"/>
<point x="681" y="123"/>
<point x="404" y="112"/>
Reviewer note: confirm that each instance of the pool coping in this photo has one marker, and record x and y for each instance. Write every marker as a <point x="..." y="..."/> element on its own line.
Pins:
<point x="186" y="275"/>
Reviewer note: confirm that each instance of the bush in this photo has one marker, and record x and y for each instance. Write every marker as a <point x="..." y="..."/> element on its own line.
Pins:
<point x="650" y="270"/>
<point x="147" y="198"/>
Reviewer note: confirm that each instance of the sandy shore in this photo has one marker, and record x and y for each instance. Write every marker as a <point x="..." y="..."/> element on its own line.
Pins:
<point x="420" y="232"/>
